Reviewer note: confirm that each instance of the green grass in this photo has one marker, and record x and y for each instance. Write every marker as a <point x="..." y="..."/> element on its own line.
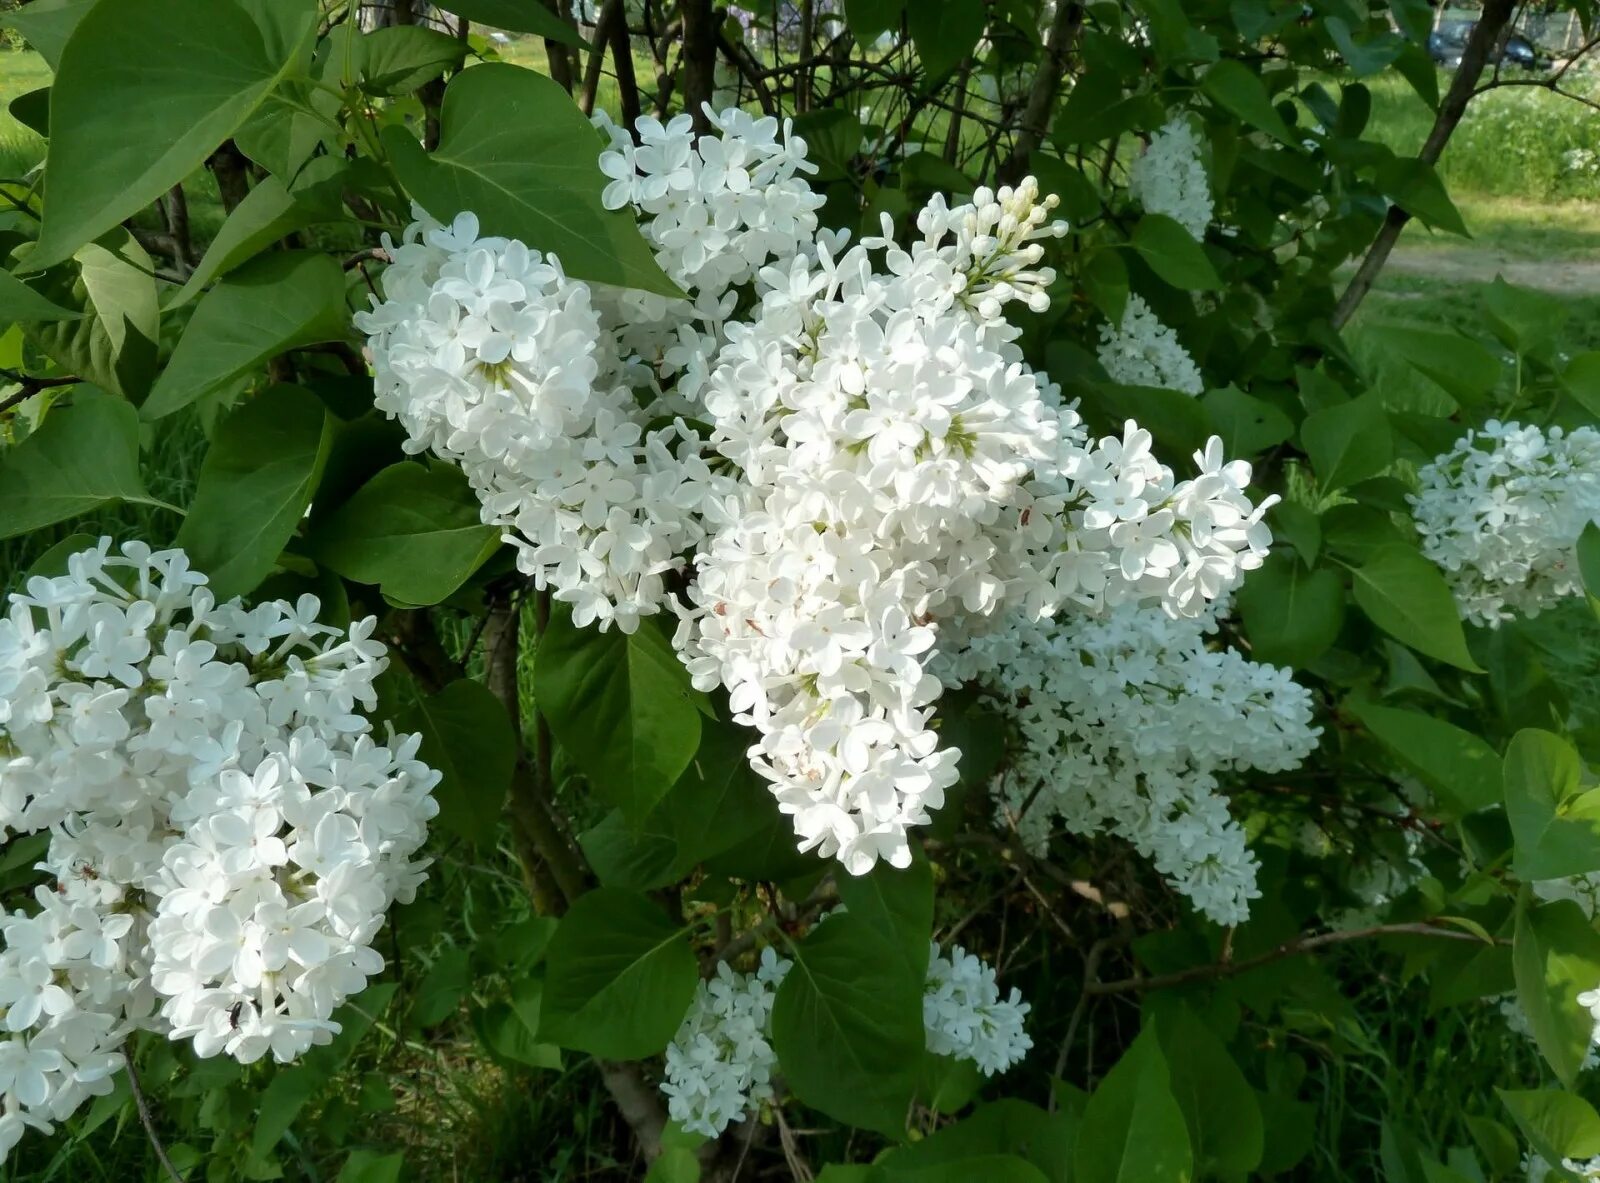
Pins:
<point x="21" y="70"/>
<point x="1517" y="141"/>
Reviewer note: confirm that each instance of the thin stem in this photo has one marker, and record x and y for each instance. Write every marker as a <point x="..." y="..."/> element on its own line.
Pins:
<point x="145" y="1117"/>
<point x="1091" y="966"/>
<point x="1485" y="34"/>
<point x="1228" y="969"/>
<point x="30" y="387"/>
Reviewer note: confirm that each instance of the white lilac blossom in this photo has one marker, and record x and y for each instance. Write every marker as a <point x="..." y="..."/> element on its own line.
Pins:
<point x="720" y="1065"/>
<point x="226" y="832"/>
<point x="1141" y="351"/>
<point x="823" y="456"/>
<point x="1169" y="178"/>
<point x="964" y="1016"/>
<point x="1537" y="1170"/>
<point x="1126" y="722"/>
<point x="1517" y="1020"/>
<point x="1501" y="513"/>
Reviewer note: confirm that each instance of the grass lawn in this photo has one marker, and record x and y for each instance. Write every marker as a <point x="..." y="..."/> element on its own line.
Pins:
<point x="21" y="70"/>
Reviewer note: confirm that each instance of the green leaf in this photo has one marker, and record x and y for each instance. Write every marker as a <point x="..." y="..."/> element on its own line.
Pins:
<point x="47" y="24"/>
<point x="1413" y="185"/>
<point x="619" y="977"/>
<point x="369" y="1166"/>
<point x="144" y="92"/>
<point x="517" y="152"/>
<point x="257" y="480"/>
<point x="1466" y="370"/>
<point x="281" y="1102"/>
<point x="1239" y="90"/>
<point x="898" y="904"/>
<point x="84" y="455"/>
<point x="1367" y="56"/>
<point x="1589" y="559"/>
<point x="1176" y="419"/>
<point x="1173" y="254"/>
<point x="398" y="59"/>
<point x="517" y="16"/>
<point x="19" y="302"/>
<point x="1247" y="425"/>
<point x="1525" y="321"/>
<point x="270" y="212"/>
<point x="1582" y="381"/>
<point x="412" y="530"/>
<point x="868" y="19"/>
<point x="1460" y="767"/>
<point x="1224" y="1120"/>
<point x="281" y="301"/>
<point x="677" y="1164"/>
<point x="442" y="988"/>
<point x="1135" y="1129"/>
<point x="1348" y="442"/>
<point x="1406" y="596"/>
<point x="1556" y="956"/>
<point x="1560" y="1125"/>
<point x="945" y="33"/>
<point x="717" y="803"/>
<point x="847" y="1026"/>
<point x="1292" y="614"/>
<point x="508" y="1030"/>
<point x="468" y="739"/>
<point x="621" y="706"/>
<point x="114" y="344"/>
<point x="1105" y="281"/>
<point x="1497" y="1144"/>
<point x="1555" y="822"/>
<point x="1007" y="1140"/>
<point x="32" y="110"/>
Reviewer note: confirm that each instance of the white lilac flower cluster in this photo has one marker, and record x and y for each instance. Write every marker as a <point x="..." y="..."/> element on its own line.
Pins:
<point x="1516" y="1019"/>
<point x="870" y="458"/>
<point x="720" y="1064"/>
<point x="1169" y="178"/>
<point x="1126" y="722"/>
<point x="1141" y="351"/>
<point x="1501" y="513"/>
<point x="965" y="1017"/>
<point x="225" y="831"/>
<point x="1539" y="1171"/>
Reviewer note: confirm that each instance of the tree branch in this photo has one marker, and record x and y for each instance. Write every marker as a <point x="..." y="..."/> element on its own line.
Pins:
<point x="30" y="387"/>
<point x="1485" y="35"/>
<point x="609" y="16"/>
<point x="699" y="58"/>
<point x="145" y="1116"/>
<point x="1046" y="86"/>
<point x="1228" y="969"/>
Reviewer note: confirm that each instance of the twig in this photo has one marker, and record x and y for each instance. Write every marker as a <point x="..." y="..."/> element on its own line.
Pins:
<point x="1485" y="34"/>
<point x="699" y="52"/>
<point x="609" y="16"/>
<point x="1046" y="86"/>
<point x="1227" y="969"/>
<point x="145" y="1117"/>
<point x="30" y="386"/>
<point x="1091" y="966"/>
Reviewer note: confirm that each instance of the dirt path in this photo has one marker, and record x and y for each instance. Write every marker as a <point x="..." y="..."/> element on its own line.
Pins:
<point x="1579" y="275"/>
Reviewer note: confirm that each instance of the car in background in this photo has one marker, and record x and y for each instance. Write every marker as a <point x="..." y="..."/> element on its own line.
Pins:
<point x="1447" y="43"/>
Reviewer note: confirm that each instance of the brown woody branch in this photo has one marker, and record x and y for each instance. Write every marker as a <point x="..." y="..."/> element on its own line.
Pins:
<point x="30" y="387"/>
<point x="1485" y="36"/>
<point x="1294" y="948"/>
<point x="1063" y="34"/>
